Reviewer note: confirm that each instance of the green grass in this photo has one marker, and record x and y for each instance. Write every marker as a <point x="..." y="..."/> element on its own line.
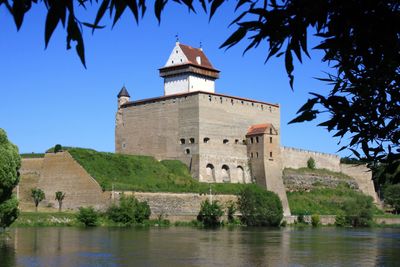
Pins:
<point x="45" y="219"/>
<point x="32" y="155"/>
<point x="144" y="173"/>
<point x="323" y="201"/>
<point x="316" y="172"/>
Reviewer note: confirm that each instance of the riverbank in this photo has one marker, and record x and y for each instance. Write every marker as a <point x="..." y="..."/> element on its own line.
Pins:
<point x="56" y="219"/>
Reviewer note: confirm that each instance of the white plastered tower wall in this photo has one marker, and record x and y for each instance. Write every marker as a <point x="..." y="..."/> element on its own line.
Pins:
<point x="187" y="80"/>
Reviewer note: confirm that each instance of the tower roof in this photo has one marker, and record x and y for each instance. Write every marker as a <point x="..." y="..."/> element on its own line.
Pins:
<point x="192" y="53"/>
<point x="258" y="129"/>
<point x="123" y="92"/>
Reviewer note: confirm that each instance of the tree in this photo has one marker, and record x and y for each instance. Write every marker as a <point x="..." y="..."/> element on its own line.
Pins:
<point x="260" y="207"/>
<point x="10" y="162"/>
<point x="38" y="195"/>
<point x="210" y="213"/>
<point x="57" y="148"/>
<point x="392" y="196"/>
<point x="311" y="163"/>
<point x="129" y="211"/>
<point x="356" y="40"/>
<point x="60" y="197"/>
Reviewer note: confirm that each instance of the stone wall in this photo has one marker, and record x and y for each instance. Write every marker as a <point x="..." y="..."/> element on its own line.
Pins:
<point x="175" y="207"/>
<point x="30" y="173"/>
<point x="297" y="158"/>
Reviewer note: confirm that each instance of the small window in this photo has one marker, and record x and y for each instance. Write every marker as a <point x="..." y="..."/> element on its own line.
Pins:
<point x="270" y="140"/>
<point x="232" y="101"/>
<point x="191" y="140"/>
<point x="270" y="130"/>
<point x="182" y="141"/>
<point x="270" y="154"/>
<point x="206" y="140"/>
<point x="172" y="62"/>
<point x="176" y="51"/>
<point x="187" y="151"/>
<point x="236" y="141"/>
<point x="226" y="141"/>
<point x="221" y="99"/>
<point x="252" y="104"/>
<point x="181" y="60"/>
<point x="256" y="154"/>
<point x="262" y="107"/>
<point x="251" y="154"/>
<point x="123" y="145"/>
<point x="244" y="142"/>
<point x="242" y="102"/>
<point x="252" y="140"/>
<point x="257" y="139"/>
<point x="210" y="98"/>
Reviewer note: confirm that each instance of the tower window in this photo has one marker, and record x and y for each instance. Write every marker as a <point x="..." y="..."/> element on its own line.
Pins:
<point x="257" y="139"/>
<point x="176" y="51"/>
<point x="236" y="141"/>
<point x="187" y="151"/>
<point x="270" y="140"/>
<point x="256" y="154"/>
<point x="182" y="141"/>
<point x="251" y="154"/>
<point x="206" y="140"/>
<point x="270" y="154"/>
<point x="191" y="140"/>
<point x="225" y="141"/>
<point x="252" y="140"/>
<point x="270" y="130"/>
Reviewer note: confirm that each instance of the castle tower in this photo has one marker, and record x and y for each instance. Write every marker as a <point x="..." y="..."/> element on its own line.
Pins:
<point x="188" y="70"/>
<point x="123" y="96"/>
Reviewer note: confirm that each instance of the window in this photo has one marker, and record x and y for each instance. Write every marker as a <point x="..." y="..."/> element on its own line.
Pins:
<point x="236" y="141"/>
<point x="270" y="154"/>
<point x="270" y="140"/>
<point x="256" y="154"/>
<point x="232" y="101"/>
<point x="252" y="140"/>
<point x="123" y="145"/>
<point x="191" y="140"/>
<point x="206" y="140"/>
<point x="210" y="98"/>
<point x="172" y="62"/>
<point x="244" y="142"/>
<point x="176" y="51"/>
<point x="240" y="174"/>
<point x="182" y="141"/>
<point x="210" y="171"/>
<point x="226" y="176"/>
<point x="187" y="151"/>
<point x="226" y="141"/>
<point x="270" y="130"/>
<point x="257" y="139"/>
<point x="251" y="155"/>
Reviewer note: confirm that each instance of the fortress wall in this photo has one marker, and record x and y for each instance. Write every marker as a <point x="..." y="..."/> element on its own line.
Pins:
<point x="61" y="172"/>
<point x="224" y="117"/>
<point x="363" y="176"/>
<point x="297" y="158"/>
<point x="176" y="207"/>
<point x="30" y="173"/>
<point x="155" y="128"/>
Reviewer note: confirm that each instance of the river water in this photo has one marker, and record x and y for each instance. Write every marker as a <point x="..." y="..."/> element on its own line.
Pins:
<point x="185" y="246"/>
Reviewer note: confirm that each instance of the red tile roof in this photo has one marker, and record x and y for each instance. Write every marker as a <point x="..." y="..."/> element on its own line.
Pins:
<point x="258" y="129"/>
<point x="191" y="53"/>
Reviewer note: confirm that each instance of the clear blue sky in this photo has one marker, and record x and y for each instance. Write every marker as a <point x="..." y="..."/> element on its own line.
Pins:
<point x="47" y="97"/>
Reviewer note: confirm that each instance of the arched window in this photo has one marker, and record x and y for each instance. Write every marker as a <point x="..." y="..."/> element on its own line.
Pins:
<point x="210" y="171"/>
<point x="191" y="140"/>
<point x="225" y="173"/>
<point x="240" y="174"/>
<point x="257" y="139"/>
<point x="182" y="141"/>
<point x="187" y="151"/>
<point x="225" y="141"/>
<point x="206" y="140"/>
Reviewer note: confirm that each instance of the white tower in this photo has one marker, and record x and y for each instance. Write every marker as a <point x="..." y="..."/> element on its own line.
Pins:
<point x="188" y="70"/>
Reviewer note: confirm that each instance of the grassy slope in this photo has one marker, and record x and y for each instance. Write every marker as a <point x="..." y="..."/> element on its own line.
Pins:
<point x="143" y="173"/>
<point x="32" y="155"/>
<point x="316" y="172"/>
<point x="323" y="201"/>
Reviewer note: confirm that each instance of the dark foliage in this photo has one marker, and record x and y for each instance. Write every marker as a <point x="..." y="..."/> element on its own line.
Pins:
<point x="57" y="148"/>
<point x="88" y="216"/>
<point x="210" y="213"/>
<point x="392" y="196"/>
<point x="260" y="207"/>
<point x="358" y="212"/>
<point x="129" y="211"/>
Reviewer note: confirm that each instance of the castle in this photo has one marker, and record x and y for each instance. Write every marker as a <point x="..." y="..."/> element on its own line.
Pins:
<point x="221" y="138"/>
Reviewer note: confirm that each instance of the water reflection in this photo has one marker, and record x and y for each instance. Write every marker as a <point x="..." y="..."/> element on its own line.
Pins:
<point x="174" y="246"/>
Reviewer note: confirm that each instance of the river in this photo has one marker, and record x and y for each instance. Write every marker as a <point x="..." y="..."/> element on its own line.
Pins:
<point x="185" y="246"/>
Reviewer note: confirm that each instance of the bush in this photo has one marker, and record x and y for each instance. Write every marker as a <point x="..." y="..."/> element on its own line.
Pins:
<point x="260" y="207"/>
<point x="57" y="148"/>
<point x="340" y="219"/>
<point x="311" y="163"/>
<point x="231" y="209"/>
<point x="129" y="211"/>
<point x="300" y="218"/>
<point x="315" y="220"/>
<point x="392" y="196"/>
<point x="210" y="213"/>
<point x="358" y="211"/>
<point x="88" y="216"/>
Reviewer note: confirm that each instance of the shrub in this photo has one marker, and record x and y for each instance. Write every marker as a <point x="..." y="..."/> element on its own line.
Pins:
<point x="210" y="213"/>
<point x="260" y="207"/>
<point x="311" y="163"/>
<point x="392" y="196"/>
<point x="340" y="219"/>
<point x="129" y="211"/>
<point x="300" y="218"/>
<point x="358" y="211"/>
<point x="315" y="220"/>
<point x="88" y="216"/>
<point x="38" y="195"/>
<point x="231" y="209"/>
<point x="57" y="148"/>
